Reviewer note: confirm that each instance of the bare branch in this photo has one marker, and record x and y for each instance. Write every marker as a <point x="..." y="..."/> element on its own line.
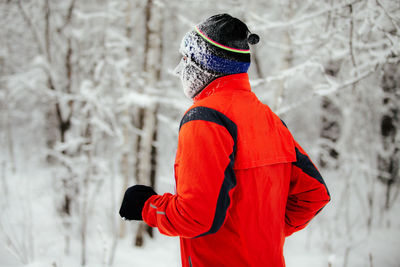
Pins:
<point x="332" y="89"/>
<point x="392" y="19"/>
<point x="324" y="92"/>
<point x="295" y="22"/>
<point x="31" y="26"/>
<point x="353" y="60"/>
<point x="47" y="29"/>
<point x="68" y="17"/>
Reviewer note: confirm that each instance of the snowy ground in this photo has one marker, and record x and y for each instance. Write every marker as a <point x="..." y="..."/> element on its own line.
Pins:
<point x="35" y="233"/>
<point x="305" y="248"/>
<point x="164" y="251"/>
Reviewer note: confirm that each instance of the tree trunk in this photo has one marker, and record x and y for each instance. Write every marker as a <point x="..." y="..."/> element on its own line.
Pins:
<point x="330" y="124"/>
<point x="127" y="135"/>
<point x="63" y="116"/>
<point x="146" y="151"/>
<point x="329" y="134"/>
<point x="389" y="157"/>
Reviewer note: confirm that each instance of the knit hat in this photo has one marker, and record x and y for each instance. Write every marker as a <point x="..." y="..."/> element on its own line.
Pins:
<point x="216" y="47"/>
<point x="220" y="45"/>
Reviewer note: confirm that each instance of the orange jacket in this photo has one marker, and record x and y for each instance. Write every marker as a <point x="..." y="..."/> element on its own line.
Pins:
<point x="243" y="183"/>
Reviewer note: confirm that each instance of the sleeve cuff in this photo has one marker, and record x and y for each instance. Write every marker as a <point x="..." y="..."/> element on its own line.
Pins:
<point x="149" y="212"/>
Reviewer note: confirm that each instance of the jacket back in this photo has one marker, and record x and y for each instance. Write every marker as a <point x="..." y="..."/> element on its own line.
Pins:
<point x="243" y="183"/>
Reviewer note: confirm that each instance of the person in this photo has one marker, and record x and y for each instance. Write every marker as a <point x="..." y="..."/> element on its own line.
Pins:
<point x="243" y="183"/>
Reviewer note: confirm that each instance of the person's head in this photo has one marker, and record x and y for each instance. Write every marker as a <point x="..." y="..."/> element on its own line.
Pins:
<point x="217" y="47"/>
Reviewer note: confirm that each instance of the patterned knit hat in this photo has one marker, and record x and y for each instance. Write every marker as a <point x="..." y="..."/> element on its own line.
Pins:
<point x="220" y="45"/>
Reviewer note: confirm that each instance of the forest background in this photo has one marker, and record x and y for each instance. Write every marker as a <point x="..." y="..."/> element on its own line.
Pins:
<point x="89" y="106"/>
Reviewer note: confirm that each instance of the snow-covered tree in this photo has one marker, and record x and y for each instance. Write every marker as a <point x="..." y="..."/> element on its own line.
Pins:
<point x="89" y="107"/>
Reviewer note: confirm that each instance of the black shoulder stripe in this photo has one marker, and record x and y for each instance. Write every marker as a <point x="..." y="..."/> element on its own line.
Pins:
<point x="211" y="115"/>
<point x="305" y="164"/>
<point x="284" y="124"/>
<point x="223" y="202"/>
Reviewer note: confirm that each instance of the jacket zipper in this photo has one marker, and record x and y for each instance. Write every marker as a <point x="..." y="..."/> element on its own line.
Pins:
<point x="190" y="262"/>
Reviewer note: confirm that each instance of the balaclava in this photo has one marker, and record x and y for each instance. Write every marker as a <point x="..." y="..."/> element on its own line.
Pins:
<point x="217" y="47"/>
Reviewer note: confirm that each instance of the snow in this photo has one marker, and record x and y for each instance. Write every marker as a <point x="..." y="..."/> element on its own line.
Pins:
<point x="322" y="242"/>
<point x="303" y="57"/>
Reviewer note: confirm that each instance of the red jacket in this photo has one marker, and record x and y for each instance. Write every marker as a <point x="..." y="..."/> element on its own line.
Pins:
<point x="243" y="183"/>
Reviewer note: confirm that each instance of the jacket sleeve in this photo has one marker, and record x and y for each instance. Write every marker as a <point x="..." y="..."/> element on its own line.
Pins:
<point x="308" y="193"/>
<point x="204" y="176"/>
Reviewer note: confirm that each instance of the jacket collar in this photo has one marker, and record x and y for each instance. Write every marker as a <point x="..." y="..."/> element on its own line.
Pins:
<point x="238" y="81"/>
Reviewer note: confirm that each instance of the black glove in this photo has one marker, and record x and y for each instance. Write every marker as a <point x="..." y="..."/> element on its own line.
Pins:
<point x="133" y="202"/>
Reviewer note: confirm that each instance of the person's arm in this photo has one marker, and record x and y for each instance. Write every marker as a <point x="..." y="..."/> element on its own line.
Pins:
<point x="308" y="193"/>
<point x="204" y="174"/>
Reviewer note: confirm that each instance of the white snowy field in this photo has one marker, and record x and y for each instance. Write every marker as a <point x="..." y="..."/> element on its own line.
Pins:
<point x="164" y="251"/>
<point x="32" y="234"/>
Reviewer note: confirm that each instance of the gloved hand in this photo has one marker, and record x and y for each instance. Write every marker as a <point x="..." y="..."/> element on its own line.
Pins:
<point x="133" y="202"/>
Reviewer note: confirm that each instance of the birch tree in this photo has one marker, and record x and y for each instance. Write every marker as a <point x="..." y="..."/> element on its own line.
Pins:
<point x="147" y="116"/>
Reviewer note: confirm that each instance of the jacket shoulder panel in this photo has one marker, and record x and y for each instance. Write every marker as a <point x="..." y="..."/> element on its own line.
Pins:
<point x="262" y="137"/>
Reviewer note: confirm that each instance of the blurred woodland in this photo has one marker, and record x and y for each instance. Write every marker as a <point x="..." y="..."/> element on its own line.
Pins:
<point x="89" y="106"/>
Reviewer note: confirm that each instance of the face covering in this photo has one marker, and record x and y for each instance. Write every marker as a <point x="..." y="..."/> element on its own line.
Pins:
<point x="193" y="78"/>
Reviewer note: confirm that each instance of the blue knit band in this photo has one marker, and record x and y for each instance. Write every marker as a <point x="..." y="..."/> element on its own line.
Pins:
<point x="220" y="65"/>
